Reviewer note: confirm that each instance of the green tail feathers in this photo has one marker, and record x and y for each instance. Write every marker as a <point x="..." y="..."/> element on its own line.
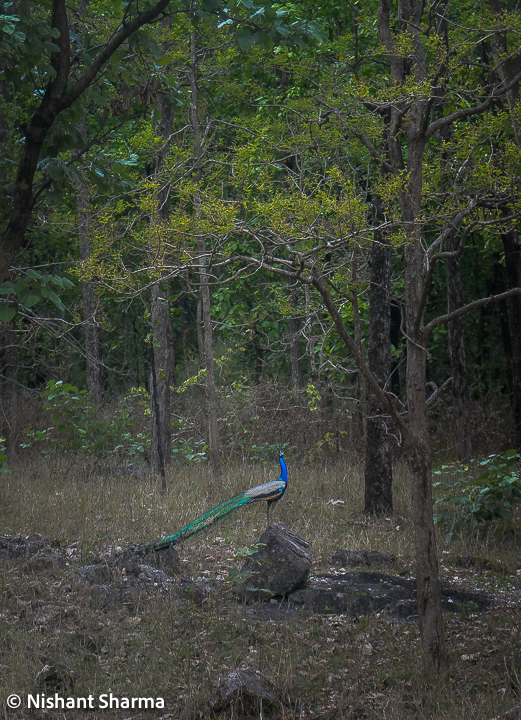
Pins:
<point x="204" y="521"/>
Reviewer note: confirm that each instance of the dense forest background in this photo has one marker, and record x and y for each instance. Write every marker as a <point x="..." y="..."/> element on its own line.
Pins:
<point x="230" y="229"/>
<point x="178" y="202"/>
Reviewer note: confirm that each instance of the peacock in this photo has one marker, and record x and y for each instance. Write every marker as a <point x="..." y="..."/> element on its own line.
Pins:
<point x="270" y="491"/>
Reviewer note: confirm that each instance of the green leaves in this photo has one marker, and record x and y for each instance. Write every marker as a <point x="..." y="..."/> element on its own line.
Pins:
<point x="7" y="312"/>
<point x="473" y="500"/>
<point x="77" y="426"/>
<point x="8" y="23"/>
<point x="30" y="290"/>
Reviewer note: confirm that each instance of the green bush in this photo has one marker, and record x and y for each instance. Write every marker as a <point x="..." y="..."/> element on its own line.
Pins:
<point x="471" y="498"/>
<point x="78" y="427"/>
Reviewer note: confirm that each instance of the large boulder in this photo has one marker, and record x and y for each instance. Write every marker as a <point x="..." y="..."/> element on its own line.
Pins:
<point x="280" y="565"/>
<point x="248" y="692"/>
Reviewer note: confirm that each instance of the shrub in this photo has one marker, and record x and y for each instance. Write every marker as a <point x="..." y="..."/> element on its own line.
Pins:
<point x="471" y="499"/>
<point x="78" y="427"/>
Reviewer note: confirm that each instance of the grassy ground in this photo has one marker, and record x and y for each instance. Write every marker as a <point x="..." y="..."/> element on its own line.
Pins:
<point x="323" y="667"/>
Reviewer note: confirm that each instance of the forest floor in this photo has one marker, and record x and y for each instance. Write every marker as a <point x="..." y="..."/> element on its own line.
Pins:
<point x="159" y="645"/>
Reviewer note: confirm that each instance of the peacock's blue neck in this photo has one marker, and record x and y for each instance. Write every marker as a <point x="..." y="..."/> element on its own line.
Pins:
<point x="283" y="469"/>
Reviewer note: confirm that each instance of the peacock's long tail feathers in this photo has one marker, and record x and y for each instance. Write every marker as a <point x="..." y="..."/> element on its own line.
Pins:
<point x="204" y="521"/>
<point x="270" y="491"/>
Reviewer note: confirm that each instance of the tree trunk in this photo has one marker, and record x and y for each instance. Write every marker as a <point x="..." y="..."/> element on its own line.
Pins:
<point x="160" y="382"/>
<point x="360" y="428"/>
<point x="419" y="458"/>
<point x="204" y="279"/>
<point x="10" y="389"/>
<point x="427" y="570"/>
<point x="512" y="248"/>
<point x="410" y="200"/>
<point x="211" y="392"/>
<point x="458" y="361"/>
<point x="378" y="473"/>
<point x="162" y="337"/>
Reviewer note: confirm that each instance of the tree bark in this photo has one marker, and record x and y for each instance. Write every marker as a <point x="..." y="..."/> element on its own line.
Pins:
<point x="419" y="461"/>
<point x="378" y="473"/>
<point x="211" y="392"/>
<point x="410" y="201"/>
<point x="359" y="428"/>
<point x="418" y="445"/>
<point x="160" y="382"/>
<point x="162" y="338"/>
<point x="204" y="278"/>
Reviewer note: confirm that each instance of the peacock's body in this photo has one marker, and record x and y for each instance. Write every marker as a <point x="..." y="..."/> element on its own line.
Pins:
<point x="270" y="492"/>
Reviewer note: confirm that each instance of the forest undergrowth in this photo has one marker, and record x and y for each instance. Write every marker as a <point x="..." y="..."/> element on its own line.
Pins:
<point x="324" y="666"/>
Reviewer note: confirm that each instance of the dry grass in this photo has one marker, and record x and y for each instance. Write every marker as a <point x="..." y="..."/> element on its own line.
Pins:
<point x="324" y="667"/>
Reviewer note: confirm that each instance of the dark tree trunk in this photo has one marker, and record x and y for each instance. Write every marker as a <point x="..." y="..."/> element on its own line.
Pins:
<point x="204" y="278"/>
<point x="417" y="436"/>
<point x="10" y="390"/>
<point x="162" y="345"/>
<point x="211" y="391"/>
<point x="419" y="460"/>
<point x="360" y="427"/>
<point x="458" y="361"/>
<point x="200" y="334"/>
<point x="160" y="382"/>
<point x="512" y="248"/>
<point x="378" y="474"/>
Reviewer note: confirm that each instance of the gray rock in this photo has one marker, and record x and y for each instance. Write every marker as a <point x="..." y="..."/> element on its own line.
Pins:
<point x="364" y="593"/>
<point x="166" y="560"/>
<point x="355" y="558"/>
<point x="107" y="585"/>
<point x="248" y="692"/>
<point x="280" y="565"/>
<point x="35" y="553"/>
<point x="95" y="574"/>
<point x="48" y="561"/>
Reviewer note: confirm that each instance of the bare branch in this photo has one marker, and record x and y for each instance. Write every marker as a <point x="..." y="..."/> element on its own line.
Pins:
<point x="468" y="112"/>
<point x="124" y="32"/>
<point x="483" y="302"/>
